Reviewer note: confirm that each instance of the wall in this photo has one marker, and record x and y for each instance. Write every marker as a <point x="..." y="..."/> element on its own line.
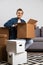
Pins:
<point x="32" y="9"/>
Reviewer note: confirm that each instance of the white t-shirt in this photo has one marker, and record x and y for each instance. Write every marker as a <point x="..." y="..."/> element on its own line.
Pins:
<point x="19" y="21"/>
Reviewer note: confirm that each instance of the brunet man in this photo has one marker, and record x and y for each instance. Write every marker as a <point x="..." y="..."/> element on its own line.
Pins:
<point x="12" y="23"/>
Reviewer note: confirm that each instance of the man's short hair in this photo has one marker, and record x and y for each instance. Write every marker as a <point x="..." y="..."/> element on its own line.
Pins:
<point x="20" y="10"/>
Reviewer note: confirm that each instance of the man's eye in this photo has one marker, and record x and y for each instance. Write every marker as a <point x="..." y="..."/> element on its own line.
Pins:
<point x="19" y="13"/>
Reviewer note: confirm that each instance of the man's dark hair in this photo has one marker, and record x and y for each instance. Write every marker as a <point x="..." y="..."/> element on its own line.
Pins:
<point x="19" y="10"/>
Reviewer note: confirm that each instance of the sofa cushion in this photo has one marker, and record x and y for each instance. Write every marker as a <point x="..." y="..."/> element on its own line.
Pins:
<point x="37" y="32"/>
<point x="36" y="45"/>
<point x="38" y="39"/>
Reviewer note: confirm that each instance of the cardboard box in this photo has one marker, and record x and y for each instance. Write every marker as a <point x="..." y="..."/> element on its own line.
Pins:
<point x="26" y="30"/>
<point x="16" y="46"/>
<point x="17" y="59"/>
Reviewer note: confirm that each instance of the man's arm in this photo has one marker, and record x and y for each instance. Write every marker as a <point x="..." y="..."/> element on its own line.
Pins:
<point x="10" y="22"/>
<point x="14" y="25"/>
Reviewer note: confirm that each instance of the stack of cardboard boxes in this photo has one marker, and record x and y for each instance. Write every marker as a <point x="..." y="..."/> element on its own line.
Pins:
<point x="16" y="51"/>
<point x="16" y="48"/>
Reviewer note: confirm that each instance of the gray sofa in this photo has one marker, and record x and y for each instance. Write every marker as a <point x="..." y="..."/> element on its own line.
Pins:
<point x="37" y="44"/>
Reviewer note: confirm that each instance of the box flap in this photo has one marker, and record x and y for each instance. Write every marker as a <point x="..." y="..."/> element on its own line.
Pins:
<point x="32" y="21"/>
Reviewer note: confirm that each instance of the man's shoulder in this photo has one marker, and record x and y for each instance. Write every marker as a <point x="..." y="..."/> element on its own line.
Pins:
<point x="13" y="18"/>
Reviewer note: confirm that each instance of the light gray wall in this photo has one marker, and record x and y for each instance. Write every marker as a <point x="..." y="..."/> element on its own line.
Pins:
<point x="32" y="9"/>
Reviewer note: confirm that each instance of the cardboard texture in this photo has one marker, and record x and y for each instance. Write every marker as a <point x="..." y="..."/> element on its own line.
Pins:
<point x="3" y="53"/>
<point x="3" y="38"/>
<point x="4" y="30"/>
<point x="26" y="30"/>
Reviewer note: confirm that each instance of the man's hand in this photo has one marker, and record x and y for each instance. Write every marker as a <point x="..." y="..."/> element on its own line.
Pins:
<point x="14" y="25"/>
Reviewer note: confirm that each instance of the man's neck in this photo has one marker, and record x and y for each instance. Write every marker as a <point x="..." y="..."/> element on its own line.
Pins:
<point x="19" y="18"/>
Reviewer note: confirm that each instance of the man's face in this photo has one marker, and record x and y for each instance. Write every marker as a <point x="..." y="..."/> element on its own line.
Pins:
<point x="19" y="14"/>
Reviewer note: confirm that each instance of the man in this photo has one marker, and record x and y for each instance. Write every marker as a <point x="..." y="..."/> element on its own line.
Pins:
<point x="12" y="24"/>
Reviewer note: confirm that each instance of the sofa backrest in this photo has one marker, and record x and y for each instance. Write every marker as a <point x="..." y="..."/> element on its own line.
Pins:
<point x="37" y="31"/>
<point x="41" y="31"/>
